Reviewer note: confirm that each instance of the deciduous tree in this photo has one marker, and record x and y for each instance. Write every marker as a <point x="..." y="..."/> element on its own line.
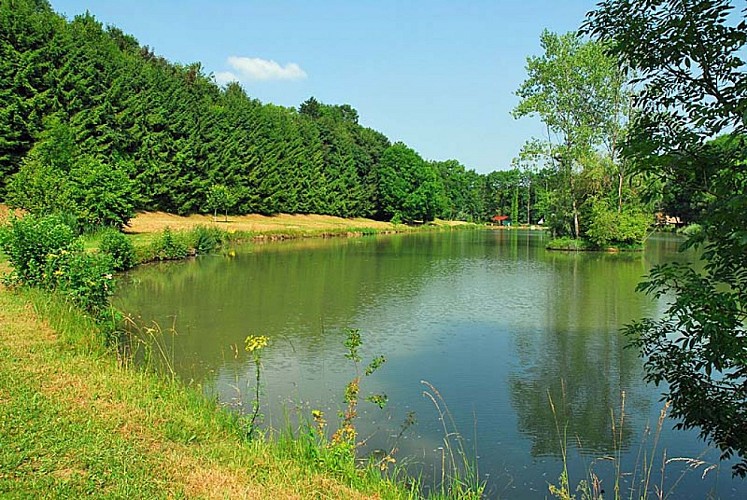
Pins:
<point x="409" y="187"/>
<point x="693" y="84"/>
<point x="576" y="90"/>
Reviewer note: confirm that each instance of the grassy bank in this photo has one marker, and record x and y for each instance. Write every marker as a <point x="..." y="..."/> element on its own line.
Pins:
<point x="146" y="230"/>
<point x="75" y="420"/>
<point x="568" y="244"/>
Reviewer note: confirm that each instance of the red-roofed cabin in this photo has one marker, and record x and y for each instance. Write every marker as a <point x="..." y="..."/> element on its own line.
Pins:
<point x="500" y="219"/>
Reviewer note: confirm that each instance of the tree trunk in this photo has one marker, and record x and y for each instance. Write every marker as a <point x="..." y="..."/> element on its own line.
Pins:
<point x="529" y="201"/>
<point x="574" y="206"/>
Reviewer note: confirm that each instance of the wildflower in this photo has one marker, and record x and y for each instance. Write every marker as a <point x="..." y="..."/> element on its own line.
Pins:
<point x="255" y="342"/>
<point x="318" y="416"/>
<point x="384" y="464"/>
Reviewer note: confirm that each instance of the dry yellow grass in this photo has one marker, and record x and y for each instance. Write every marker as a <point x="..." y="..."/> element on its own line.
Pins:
<point x="151" y="222"/>
<point x="5" y="213"/>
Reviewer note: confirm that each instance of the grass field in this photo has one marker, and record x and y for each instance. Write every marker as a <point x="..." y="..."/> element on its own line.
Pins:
<point x="150" y="222"/>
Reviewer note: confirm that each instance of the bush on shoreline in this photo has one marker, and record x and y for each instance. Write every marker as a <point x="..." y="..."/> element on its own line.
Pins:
<point x="45" y="253"/>
<point x="120" y="248"/>
<point x="569" y="244"/>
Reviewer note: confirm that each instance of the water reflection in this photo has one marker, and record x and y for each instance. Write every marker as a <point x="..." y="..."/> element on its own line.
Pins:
<point x="577" y="359"/>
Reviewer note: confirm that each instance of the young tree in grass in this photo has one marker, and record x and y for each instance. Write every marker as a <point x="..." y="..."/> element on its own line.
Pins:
<point x="220" y="197"/>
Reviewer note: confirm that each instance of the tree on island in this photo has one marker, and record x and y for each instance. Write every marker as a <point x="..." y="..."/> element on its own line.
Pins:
<point x="692" y="86"/>
<point x="580" y="94"/>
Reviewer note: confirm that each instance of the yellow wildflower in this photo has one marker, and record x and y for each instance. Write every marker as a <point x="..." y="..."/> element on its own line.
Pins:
<point x="255" y="342"/>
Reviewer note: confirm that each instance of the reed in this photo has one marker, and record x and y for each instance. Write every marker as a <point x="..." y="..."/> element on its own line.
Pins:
<point x="459" y="473"/>
<point x="650" y="461"/>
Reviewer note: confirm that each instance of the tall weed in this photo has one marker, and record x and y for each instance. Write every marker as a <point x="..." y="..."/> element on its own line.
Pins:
<point x="169" y="246"/>
<point x="460" y="476"/>
<point x="206" y="239"/>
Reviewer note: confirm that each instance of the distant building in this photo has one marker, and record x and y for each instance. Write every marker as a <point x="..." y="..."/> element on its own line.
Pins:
<point x="663" y="219"/>
<point x="501" y="220"/>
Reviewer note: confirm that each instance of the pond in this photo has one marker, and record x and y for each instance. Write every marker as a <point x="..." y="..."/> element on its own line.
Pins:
<point x="519" y="346"/>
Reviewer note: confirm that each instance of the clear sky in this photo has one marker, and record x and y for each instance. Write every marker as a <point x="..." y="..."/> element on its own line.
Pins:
<point x="438" y="75"/>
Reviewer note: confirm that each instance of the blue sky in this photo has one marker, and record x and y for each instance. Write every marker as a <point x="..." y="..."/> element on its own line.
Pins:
<point x="437" y="75"/>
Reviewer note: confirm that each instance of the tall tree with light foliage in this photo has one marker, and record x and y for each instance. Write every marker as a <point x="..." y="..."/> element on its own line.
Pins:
<point x="577" y="91"/>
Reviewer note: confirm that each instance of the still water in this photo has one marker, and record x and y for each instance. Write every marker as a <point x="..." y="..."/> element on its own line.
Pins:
<point x="500" y="329"/>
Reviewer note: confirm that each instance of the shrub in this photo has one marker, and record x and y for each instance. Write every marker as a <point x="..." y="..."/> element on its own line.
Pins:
<point x="28" y="242"/>
<point x="568" y="243"/>
<point x="691" y="230"/>
<point x="95" y="194"/>
<point x="119" y="248"/>
<point x="610" y="226"/>
<point x="85" y="278"/>
<point x="40" y="186"/>
<point x="45" y="253"/>
<point x="169" y="247"/>
<point x="207" y="239"/>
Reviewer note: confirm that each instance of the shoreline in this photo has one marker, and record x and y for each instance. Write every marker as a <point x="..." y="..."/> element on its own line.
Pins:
<point x="120" y="430"/>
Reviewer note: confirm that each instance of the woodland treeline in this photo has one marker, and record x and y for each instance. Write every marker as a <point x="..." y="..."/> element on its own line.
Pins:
<point x="85" y="105"/>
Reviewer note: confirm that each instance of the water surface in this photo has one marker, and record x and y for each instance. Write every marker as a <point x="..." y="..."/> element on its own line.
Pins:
<point x="521" y="344"/>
